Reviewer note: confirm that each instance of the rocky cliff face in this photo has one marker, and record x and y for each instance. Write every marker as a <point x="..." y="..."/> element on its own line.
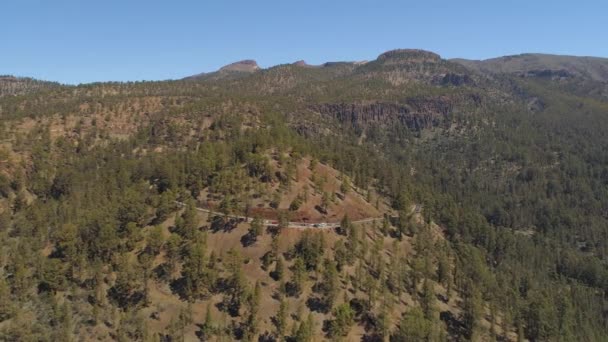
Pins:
<point x="361" y="115"/>
<point x="416" y="113"/>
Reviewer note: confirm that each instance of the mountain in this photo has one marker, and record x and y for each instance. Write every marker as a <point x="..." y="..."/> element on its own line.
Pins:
<point x="531" y="64"/>
<point x="409" y="197"/>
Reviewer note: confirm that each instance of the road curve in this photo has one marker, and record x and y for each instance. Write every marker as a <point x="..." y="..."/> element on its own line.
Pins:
<point x="301" y="225"/>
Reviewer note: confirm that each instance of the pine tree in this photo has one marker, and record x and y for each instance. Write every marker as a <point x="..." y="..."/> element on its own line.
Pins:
<point x="299" y="272"/>
<point x="173" y="251"/>
<point x="345" y="186"/>
<point x="343" y="320"/>
<point x="195" y="271"/>
<point x="281" y="319"/>
<point x="325" y="201"/>
<point x="330" y="283"/>
<point x="345" y="225"/>
<point x="67" y="326"/>
<point x="188" y="224"/>
<point x="155" y="240"/>
<point x="253" y="308"/>
<point x="256" y="228"/>
<point x="146" y="261"/>
<point x="428" y="299"/>
<point x="305" y="331"/>
<point x="207" y="328"/>
<point x="472" y="311"/>
<point x="6" y="305"/>
<point x="385" y="226"/>
<point x="279" y="269"/>
<point x="413" y="327"/>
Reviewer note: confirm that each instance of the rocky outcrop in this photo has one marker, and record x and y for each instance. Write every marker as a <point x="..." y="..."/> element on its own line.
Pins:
<point x="248" y="65"/>
<point x="230" y="71"/>
<point x="416" y="113"/>
<point x="452" y="79"/>
<point x="547" y="73"/>
<point x="300" y="63"/>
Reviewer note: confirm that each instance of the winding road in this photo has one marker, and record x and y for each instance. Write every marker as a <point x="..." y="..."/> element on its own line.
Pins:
<point x="300" y="225"/>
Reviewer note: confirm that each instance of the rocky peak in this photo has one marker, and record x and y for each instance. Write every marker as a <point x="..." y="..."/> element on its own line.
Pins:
<point x="248" y="65"/>
<point x="300" y="63"/>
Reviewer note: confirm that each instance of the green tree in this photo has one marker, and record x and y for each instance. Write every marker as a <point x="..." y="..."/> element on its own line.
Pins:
<point x="329" y="283"/>
<point x="252" y="315"/>
<point x="540" y="318"/>
<point x="155" y="240"/>
<point x="299" y="273"/>
<point x="413" y="327"/>
<point x="343" y="319"/>
<point x="345" y="225"/>
<point x="195" y="272"/>
<point x="188" y="224"/>
<point x="385" y="226"/>
<point x="207" y="328"/>
<point x="67" y="325"/>
<point x="256" y="228"/>
<point x="472" y="311"/>
<point x="6" y="304"/>
<point x="279" y="269"/>
<point x="345" y="186"/>
<point x="146" y="262"/>
<point x="281" y="319"/>
<point x="166" y="205"/>
<point x="325" y="200"/>
<point x="305" y="332"/>
<point x="173" y="248"/>
<point x="428" y="299"/>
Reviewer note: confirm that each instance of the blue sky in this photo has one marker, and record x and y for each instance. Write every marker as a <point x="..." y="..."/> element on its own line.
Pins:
<point x="86" y="41"/>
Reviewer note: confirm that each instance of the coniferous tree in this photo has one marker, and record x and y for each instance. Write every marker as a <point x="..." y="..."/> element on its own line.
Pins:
<point x="281" y="319"/>
<point x="413" y="327"/>
<point x="299" y="272"/>
<point x="279" y="269"/>
<point x="343" y="320"/>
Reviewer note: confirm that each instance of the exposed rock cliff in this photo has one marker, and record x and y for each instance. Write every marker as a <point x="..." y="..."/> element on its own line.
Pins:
<point x="416" y="113"/>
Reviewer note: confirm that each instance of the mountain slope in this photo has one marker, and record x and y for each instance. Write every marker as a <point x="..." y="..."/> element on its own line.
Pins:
<point x="487" y="192"/>
<point x="593" y="68"/>
<point x="10" y="85"/>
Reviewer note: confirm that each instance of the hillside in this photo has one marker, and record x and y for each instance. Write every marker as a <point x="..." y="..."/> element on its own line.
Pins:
<point x="405" y="198"/>
<point x="594" y="68"/>
<point x="13" y="86"/>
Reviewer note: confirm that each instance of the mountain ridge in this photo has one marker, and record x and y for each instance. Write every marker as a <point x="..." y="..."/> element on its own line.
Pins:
<point x="595" y="68"/>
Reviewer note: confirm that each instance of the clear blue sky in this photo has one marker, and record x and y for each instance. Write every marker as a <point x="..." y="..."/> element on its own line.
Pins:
<point x="84" y="41"/>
